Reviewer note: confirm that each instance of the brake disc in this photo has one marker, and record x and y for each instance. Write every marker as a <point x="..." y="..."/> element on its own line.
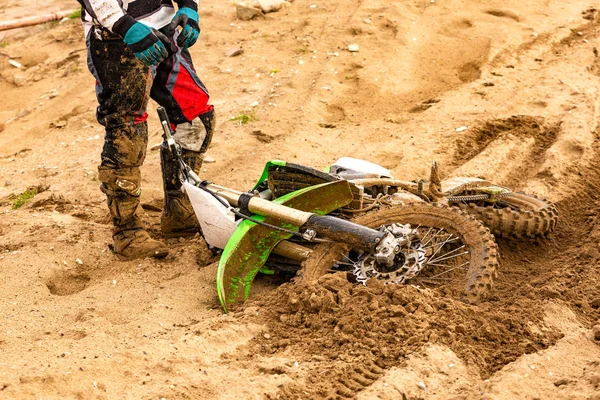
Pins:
<point x="409" y="261"/>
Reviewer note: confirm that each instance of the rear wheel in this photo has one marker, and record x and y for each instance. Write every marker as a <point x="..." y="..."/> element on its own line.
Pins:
<point x="449" y="249"/>
<point x="515" y="215"/>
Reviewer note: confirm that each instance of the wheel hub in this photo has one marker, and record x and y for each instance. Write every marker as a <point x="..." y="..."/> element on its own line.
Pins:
<point x="399" y="261"/>
<point x="398" y="258"/>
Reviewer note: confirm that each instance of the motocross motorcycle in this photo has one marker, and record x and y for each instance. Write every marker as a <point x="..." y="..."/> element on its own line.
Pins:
<point x="356" y="218"/>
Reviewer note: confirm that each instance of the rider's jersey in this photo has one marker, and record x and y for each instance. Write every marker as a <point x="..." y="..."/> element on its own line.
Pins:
<point x="154" y="13"/>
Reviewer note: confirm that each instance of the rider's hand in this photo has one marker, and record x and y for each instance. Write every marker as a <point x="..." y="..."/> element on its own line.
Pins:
<point x="191" y="30"/>
<point x="141" y="40"/>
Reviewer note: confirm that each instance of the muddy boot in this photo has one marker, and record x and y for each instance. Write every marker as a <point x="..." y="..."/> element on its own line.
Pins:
<point x="178" y="217"/>
<point x="132" y="244"/>
<point x="131" y="241"/>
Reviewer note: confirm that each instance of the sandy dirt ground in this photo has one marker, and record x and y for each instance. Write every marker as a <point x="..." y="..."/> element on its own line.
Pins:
<point x="523" y="76"/>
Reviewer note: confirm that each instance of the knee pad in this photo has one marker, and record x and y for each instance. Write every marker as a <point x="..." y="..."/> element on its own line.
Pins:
<point x="196" y="135"/>
<point x="124" y="180"/>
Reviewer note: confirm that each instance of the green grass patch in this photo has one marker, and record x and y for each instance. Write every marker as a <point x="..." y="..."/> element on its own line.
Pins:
<point x="75" y="14"/>
<point x="274" y="71"/>
<point x="24" y="198"/>
<point x="3" y="43"/>
<point x="244" y="117"/>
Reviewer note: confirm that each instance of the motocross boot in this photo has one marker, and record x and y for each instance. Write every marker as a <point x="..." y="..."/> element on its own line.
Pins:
<point x="131" y="241"/>
<point x="178" y="217"/>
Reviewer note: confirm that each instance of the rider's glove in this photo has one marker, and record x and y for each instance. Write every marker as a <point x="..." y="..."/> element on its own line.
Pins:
<point x="141" y="40"/>
<point x="191" y="31"/>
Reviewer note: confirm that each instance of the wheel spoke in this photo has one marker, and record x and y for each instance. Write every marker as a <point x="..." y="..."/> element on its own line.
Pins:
<point x="348" y="258"/>
<point x="446" y="266"/>
<point x="344" y="263"/>
<point x="436" y="244"/>
<point x="434" y="279"/>
<point x="447" y="255"/>
<point x="424" y="237"/>
<point x="448" y="258"/>
<point x="439" y="248"/>
<point x="431" y="239"/>
<point x="450" y="270"/>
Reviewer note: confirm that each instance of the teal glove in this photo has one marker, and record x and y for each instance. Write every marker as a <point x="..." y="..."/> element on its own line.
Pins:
<point x="141" y="39"/>
<point x="191" y="30"/>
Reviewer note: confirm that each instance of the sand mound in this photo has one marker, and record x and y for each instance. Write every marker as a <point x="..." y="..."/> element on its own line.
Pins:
<point x="359" y="327"/>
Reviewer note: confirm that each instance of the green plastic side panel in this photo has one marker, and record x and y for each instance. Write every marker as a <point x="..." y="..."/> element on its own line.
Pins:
<point x="251" y="244"/>
<point x="265" y="173"/>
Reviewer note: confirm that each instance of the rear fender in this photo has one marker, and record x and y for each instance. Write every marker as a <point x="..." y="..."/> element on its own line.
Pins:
<point x="453" y="186"/>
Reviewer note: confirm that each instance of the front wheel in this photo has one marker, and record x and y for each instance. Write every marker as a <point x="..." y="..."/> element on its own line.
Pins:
<point x="447" y="248"/>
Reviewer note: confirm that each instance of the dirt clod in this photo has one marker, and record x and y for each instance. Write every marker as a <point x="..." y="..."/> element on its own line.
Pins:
<point x="596" y="332"/>
<point x="562" y="382"/>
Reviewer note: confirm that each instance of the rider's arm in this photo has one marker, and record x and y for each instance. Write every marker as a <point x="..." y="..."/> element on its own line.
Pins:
<point x="193" y="4"/>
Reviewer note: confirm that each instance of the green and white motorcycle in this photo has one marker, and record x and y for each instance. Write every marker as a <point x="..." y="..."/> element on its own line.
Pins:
<point x="356" y="218"/>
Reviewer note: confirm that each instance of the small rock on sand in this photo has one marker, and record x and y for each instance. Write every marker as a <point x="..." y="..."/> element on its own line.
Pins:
<point x="251" y="311"/>
<point x="595" y="380"/>
<point x="234" y="52"/>
<point x="246" y="12"/>
<point x="271" y="5"/>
